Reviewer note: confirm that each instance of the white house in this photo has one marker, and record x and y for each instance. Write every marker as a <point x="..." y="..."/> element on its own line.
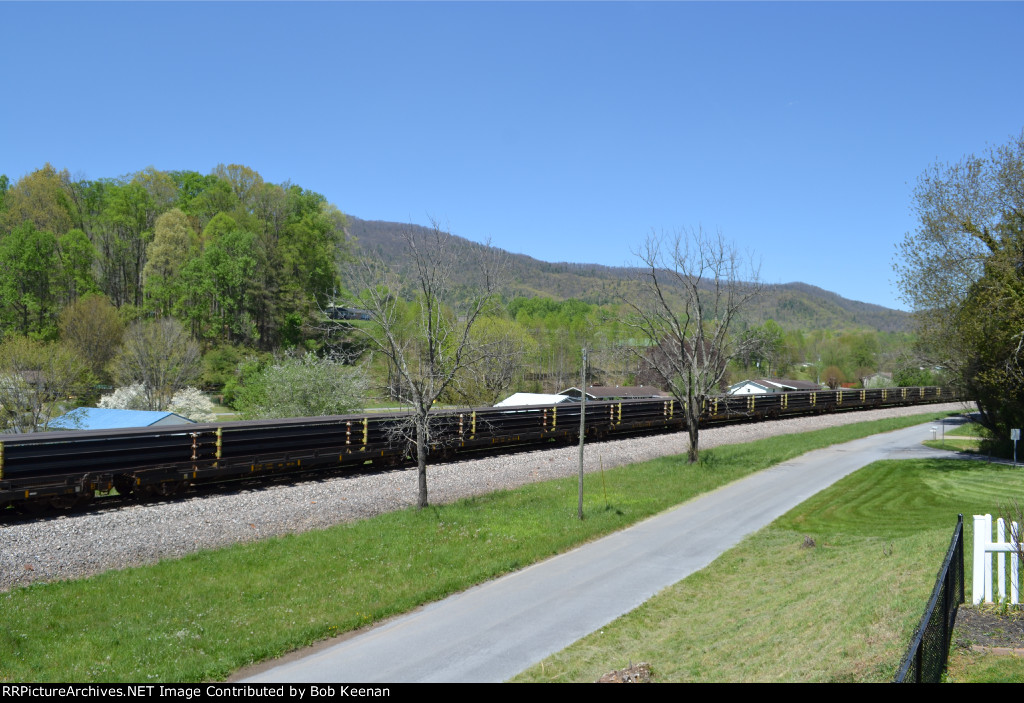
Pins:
<point x="533" y="399"/>
<point x="765" y="385"/>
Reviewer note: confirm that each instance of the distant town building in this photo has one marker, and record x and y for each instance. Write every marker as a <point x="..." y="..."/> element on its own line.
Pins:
<point x="340" y="312"/>
<point x="533" y="399"/>
<point x="616" y="392"/>
<point x="775" y="385"/>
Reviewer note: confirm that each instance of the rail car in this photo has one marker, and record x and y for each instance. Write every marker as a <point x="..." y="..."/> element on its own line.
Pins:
<point x="63" y="469"/>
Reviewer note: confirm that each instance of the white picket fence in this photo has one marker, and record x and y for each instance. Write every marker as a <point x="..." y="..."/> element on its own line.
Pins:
<point x="984" y="549"/>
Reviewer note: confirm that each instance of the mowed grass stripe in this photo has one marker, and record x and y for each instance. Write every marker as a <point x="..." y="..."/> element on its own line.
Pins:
<point x="205" y="615"/>
<point x="773" y="609"/>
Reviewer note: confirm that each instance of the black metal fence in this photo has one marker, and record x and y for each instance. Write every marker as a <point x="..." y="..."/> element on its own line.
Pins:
<point x="925" y="660"/>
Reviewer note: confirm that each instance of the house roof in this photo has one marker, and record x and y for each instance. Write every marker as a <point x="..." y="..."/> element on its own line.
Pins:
<point x="790" y="384"/>
<point x="533" y="399"/>
<point x="112" y="419"/>
<point x="609" y="392"/>
<point x="776" y="385"/>
<point x="736" y="386"/>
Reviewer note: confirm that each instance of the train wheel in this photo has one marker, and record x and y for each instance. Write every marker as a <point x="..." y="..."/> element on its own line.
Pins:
<point x="30" y="507"/>
<point x="166" y="489"/>
<point x="71" y="500"/>
<point x="124" y="485"/>
<point x="169" y="489"/>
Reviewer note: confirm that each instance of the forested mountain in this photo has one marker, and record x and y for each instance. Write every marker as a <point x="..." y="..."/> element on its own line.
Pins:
<point x="234" y="258"/>
<point x="792" y="305"/>
<point x="235" y="273"/>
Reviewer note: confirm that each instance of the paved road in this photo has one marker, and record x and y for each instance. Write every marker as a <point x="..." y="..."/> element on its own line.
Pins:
<point x="494" y="631"/>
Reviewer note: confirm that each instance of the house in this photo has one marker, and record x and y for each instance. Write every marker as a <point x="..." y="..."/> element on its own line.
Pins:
<point x="114" y="419"/>
<point x="882" y="379"/>
<point x="776" y="385"/>
<point x="340" y="312"/>
<point x="533" y="399"/>
<point x="616" y="392"/>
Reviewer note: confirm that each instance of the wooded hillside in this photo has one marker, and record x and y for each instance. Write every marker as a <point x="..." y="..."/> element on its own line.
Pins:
<point x="793" y="305"/>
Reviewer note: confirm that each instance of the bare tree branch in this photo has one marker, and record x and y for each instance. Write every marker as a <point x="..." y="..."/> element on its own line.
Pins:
<point x="427" y="341"/>
<point x="693" y="286"/>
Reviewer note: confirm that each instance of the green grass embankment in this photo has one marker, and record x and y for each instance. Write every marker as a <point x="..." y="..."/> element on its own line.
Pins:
<point x="203" y="616"/>
<point x="773" y="609"/>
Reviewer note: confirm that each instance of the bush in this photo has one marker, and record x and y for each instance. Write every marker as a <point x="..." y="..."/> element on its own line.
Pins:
<point x="305" y="386"/>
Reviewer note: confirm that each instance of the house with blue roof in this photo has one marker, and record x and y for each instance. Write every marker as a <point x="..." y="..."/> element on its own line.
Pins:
<point x="115" y="419"/>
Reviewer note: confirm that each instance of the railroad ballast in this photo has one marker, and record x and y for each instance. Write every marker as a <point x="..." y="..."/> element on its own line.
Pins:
<point x="64" y="469"/>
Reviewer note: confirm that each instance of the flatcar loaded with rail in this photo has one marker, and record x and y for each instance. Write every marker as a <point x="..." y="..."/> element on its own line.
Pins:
<point x="63" y="469"/>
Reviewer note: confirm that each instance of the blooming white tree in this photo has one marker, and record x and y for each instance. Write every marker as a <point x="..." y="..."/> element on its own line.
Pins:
<point x="131" y="397"/>
<point x="194" y="404"/>
<point x="188" y="402"/>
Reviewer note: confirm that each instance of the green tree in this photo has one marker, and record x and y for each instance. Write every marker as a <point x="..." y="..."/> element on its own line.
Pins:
<point x="43" y="198"/>
<point x="245" y="183"/>
<point x="28" y="263"/>
<point x="160" y="185"/>
<point x="302" y="386"/>
<point x="208" y="198"/>
<point x="173" y="244"/>
<point x="912" y="376"/>
<point x="833" y="377"/>
<point x="75" y="259"/>
<point x="961" y="271"/>
<point x="504" y="347"/>
<point x="219" y="225"/>
<point x="92" y="327"/>
<point x="121" y="232"/>
<point x="764" y="347"/>
<point x="223" y="289"/>
<point x="37" y="382"/>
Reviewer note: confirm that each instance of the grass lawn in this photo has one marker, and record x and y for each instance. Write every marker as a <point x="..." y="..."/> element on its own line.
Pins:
<point x="203" y="616"/>
<point x="966" y="666"/>
<point x="773" y="609"/>
<point x="965" y="438"/>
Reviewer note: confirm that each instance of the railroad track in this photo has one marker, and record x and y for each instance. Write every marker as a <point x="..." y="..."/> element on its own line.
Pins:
<point x="64" y="470"/>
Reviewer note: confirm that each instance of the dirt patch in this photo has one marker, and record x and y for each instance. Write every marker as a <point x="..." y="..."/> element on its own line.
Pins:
<point x="637" y="673"/>
<point x="990" y="628"/>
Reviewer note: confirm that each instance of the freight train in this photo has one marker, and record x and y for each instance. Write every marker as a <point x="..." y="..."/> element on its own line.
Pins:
<point x="65" y="469"/>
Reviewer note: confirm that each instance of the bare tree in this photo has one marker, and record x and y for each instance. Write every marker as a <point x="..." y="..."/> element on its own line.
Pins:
<point x="161" y="355"/>
<point x="427" y="341"/>
<point x="693" y="286"/>
<point x="833" y="377"/>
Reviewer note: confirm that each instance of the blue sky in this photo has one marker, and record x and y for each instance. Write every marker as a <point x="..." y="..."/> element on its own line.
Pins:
<point x="566" y="131"/>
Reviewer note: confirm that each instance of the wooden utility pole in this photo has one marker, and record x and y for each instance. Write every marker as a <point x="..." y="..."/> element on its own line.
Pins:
<point x="583" y="426"/>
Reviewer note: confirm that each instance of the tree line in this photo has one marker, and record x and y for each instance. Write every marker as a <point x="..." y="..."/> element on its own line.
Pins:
<point x="162" y="279"/>
<point x="962" y="271"/>
<point x="151" y="282"/>
<point x="236" y="259"/>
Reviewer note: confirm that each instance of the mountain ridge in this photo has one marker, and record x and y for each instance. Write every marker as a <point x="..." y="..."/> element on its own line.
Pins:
<point x="794" y="305"/>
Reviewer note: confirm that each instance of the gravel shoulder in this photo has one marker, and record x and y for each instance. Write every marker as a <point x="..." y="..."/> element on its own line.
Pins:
<point x="78" y="545"/>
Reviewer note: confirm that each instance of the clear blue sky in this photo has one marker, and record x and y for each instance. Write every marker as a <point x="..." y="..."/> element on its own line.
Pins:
<point x="566" y="131"/>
